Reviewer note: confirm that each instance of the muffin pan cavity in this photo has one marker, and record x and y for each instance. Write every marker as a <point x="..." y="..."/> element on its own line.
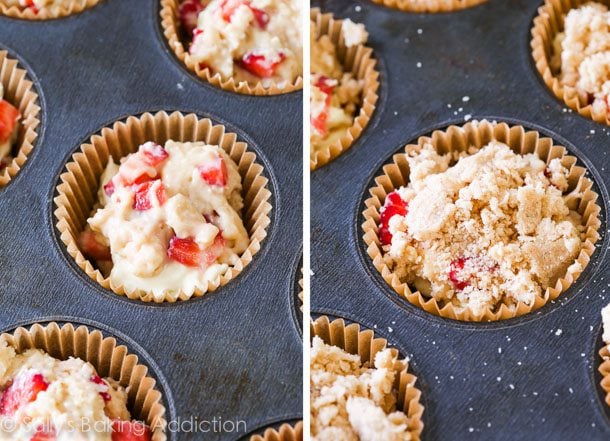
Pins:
<point x="77" y="192"/>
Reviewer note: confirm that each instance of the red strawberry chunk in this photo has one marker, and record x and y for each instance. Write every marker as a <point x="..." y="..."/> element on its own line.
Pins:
<point x="214" y="172"/>
<point x="143" y="193"/>
<point x="393" y="206"/>
<point x="229" y="7"/>
<point x="130" y="431"/>
<point x="325" y="84"/>
<point x="109" y="188"/>
<point x="23" y="390"/>
<point x="92" y="247"/>
<point x="153" y="154"/>
<point x="259" y="65"/>
<point x="98" y="380"/>
<point x="189" y="12"/>
<point x="9" y="115"/>
<point x="44" y="434"/>
<point x="456" y="276"/>
<point x="184" y="251"/>
<point x="30" y="4"/>
<point x="214" y="251"/>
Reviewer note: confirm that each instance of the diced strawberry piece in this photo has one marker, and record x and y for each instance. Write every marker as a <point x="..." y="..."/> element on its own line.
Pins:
<point x="23" y="390"/>
<point x="319" y="122"/>
<point x="261" y="17"/>
<point x="229" y="7"/>
<point x="31" y="5"/>
<point x="109" y="188"/>
<point x="214" y="251"/>
<point x="189" y="13"/>
<point x="456" y="276"/>
<point x="98" y="380"/>
<point x="325" y="84"/>
<point x="197" y="32"/>
<point x="214" y="172"/>
<point x="44" y="434"/>
<point x="9" y="115"/>
<point x="184" y="251"/>
<point x="92" y="247"/>
<point x="153" y="154"/>
<point x="393" y="206"/>
<point x="142" y="199"/>
<point x="130" y="431"/>
<point x="259" y="65"/>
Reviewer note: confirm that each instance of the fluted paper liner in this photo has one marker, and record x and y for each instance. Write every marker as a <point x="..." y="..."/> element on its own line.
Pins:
<point x="547" y="25"/>
<point x="74" y="7"/>
<point x="109" y="360"/>
<point x="429" y="6"/>
<point x="170" y="22"/>
<point x="604" y="370"/>
<point x="286" y="432"/>
<point x="19" y="91"/>
<point x="479" y="134"/>
<point x="77" y="192"/>
<point x="358" y="60"/>
<point x="363" y="343"/>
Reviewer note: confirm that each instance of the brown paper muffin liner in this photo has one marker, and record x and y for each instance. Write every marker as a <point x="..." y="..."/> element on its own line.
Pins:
<point x="170" y="23"/>
<point x="363" y="343"/>
<point x="604" y="370"/>
<point x="547" y="25"/>
<point x="19" y="91"/>
<point x="77" y="193"/>
<point x="429" y="6"/>
<point x="479" y="134"/>
<point x="74" y="7"/>
<point x="358" y="60"/>
<point x="286" y="432"/>
<point x="109" y="360"/>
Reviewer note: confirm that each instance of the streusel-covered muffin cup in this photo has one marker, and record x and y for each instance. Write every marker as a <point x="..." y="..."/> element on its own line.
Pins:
<point x="404" y="392"/>
<point x="108" y="358"/>
<point x="469" y="288"/>
<point x="430" y="6"/>
<point x="44" y="9"/>
<point x="356" y="59"/>
<point x="18" y="91"/>
<point x="78" y="196"/>
<point x="571" y="49"/>
<point x="255" y="73"/>
<point x="285" y="432"/>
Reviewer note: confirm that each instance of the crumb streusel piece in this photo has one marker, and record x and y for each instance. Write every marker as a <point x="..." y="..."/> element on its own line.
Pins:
<point x="582" y="54"/>
<point x="352" y="401"/>
<point x="493" y="228"/>
<point x="335" y="94"/>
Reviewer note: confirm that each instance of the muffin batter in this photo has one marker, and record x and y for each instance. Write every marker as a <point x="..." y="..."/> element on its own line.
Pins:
<point x="168" y="218"/>
<point x="37" y="5"/>
<point x="492" y="228"/>
<point x="351" y="401"/>
<point x="249" y="40"/>
<point x="44" y="398"/>
<point x="335" y="95"/>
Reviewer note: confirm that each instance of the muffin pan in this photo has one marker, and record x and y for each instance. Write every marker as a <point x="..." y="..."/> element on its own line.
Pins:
<point x="234" y="353"/>
<point x="531" y="377"/>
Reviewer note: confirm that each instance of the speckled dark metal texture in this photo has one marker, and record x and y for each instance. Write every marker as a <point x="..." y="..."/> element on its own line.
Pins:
<point x="234" y="354"/>
<point x="530" y="378"/>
